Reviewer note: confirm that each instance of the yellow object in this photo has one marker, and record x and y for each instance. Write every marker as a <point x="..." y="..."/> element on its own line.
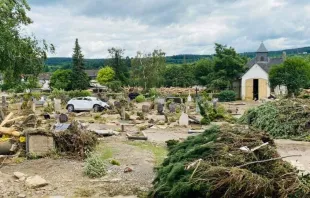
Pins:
<point x="22" y="139"/>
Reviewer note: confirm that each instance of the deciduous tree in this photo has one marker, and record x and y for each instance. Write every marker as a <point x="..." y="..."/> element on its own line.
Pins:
<point x="61" y="79"/>
<point x="105" y="75"/>
<point x="294" y="73"/>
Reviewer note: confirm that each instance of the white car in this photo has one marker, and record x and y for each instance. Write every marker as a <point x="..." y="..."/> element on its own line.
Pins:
<point x="86" y="104"/>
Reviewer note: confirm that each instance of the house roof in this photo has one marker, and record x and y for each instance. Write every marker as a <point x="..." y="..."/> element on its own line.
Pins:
<point x="45" y="76"/>
<point x="262" y="48"/>
<point x="91" y="72"/>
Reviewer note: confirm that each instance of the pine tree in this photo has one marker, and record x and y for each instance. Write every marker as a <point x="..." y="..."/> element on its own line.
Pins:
<point x="79" y="78"/>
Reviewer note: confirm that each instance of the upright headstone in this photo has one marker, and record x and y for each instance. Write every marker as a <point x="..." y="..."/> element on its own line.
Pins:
<point x="145" y="108"/>
<point x="63" y="118"/>
<point x="183" y="121"/>
<point x="172" y="107"/>
<point x="57" y="105"/>
<point x="160" y="109"/>
<point x="4" y="103"/>
<point x="214" y="102"/>
<point x="189" y="98"/>
<point x="123" y="113"/>
<point x="33" y="105"/>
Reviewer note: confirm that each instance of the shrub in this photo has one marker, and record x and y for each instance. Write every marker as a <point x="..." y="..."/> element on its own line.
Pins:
<point x="153" y="92"/>
<point x="59" y="94"/>
<point x="78" y="93"/>
<point x="205" y="121"/>
<point x="115" y="86"/>
<point x="140" y="98"/>
<point x="95" y="166"/>
<point x="115" y="162"/>
<point x="227" y="96"/>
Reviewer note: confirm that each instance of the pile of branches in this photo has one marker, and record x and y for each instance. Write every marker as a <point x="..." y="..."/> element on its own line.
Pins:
<point x="75" y="141"/>
<point x="231" y="161"/>
<point x="287" y="118"/>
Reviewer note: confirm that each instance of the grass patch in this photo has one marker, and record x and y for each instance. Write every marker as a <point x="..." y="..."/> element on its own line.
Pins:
<point x="82" y="192"/>
<point x="105" y="152"/>
<point x="159" y="152"/>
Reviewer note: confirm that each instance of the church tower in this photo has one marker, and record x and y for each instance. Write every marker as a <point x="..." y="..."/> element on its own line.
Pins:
<point x="262" y="53"/>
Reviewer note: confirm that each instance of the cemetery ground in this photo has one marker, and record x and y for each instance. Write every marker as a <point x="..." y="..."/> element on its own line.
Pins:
<point x="130" y="164"/>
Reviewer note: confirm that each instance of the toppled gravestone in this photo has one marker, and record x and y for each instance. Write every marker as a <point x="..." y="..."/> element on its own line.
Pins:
<point x="145" y="108"/>
<point x="35" y="182"/>
<point x="30" y="121"/>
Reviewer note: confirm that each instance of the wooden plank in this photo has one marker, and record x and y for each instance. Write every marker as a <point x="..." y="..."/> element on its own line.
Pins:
<point x="249" y="89"/>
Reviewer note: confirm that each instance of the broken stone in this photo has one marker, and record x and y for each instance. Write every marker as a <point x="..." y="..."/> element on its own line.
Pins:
<point x="21" y="196"/>
<point x="35" y="182"/>
<point x="20" y="176"/>
<point x="172" y="107"/>
<point x="127" y="170"/>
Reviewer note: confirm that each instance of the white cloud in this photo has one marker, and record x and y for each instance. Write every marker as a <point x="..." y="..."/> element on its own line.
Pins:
<point x="177" y="27"/>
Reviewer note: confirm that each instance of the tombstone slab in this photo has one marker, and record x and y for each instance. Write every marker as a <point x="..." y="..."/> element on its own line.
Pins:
<point x="172" y="107"/>
<point x="57" y="105"/>
<point x="160" y="108"/>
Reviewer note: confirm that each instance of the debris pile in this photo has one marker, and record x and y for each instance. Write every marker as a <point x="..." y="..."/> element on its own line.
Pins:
<point x="231" y="161"/>
<point x="75" y="140"/>
<point x="287" y="118"/>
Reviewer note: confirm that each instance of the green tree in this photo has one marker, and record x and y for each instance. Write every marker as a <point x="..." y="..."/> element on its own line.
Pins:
<point x="19" y="53"/>
<point x="228" y="62"/>
<point x="79" y="78"/>
<point x="61" y="79"/>
<point x="118" y="64"/>
<point x="105" y="75"/>
<point x="147" y="69"/>
<point x="204" y="71"/>
<point x="179" y="75"/>
<point x="294" y="73"/>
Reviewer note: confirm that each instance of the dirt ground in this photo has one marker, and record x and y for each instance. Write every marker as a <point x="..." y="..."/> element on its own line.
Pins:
<point x="66" y="178"/>
<point x="289" y="147"/>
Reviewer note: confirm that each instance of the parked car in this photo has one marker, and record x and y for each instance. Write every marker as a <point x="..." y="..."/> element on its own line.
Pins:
<point x="86" y="104"/>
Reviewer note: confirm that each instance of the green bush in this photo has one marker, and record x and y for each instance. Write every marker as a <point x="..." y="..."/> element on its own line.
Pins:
<point x="60" y="94"/>
<point x="205" y="121"/>
<point x="78" y="93"/>
<point x="153" y="92"/>
<point x="115" y="86"/>
<point x="95" y="166"/>
<point x="140" y="98"/>
<point x="115" y="162"/>
<point x="227" y="96"/>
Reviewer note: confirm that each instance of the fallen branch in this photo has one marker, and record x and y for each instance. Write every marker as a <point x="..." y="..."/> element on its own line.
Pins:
<point x="199" y="161"/>
<point x="6" y="119"/>
<point x="268" y="160"/>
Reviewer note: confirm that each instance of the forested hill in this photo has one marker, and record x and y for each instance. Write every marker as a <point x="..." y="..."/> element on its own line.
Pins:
<point x="64" y="62"/>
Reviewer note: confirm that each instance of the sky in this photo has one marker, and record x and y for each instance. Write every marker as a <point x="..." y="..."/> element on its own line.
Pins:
<point x="175" y="26"/>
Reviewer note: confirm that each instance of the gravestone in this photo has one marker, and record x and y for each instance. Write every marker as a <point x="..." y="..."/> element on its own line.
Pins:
<point x="214" y="102"/>
<point x="160" y="109"/>
<point x="189" y="98"/>
<point x="145" y="108"/>
<point x="57" y="105"/>
<point x="33" y="105"/>
<point x="183" y="121"/>
<point x="63" y="118"/>
<point x="172" y="107"/>
<point x="117" y="104"/>
<point x="39" y="145"/>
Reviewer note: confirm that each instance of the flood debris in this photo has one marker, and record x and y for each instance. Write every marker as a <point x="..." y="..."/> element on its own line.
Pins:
<point x="212" y="163"/>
